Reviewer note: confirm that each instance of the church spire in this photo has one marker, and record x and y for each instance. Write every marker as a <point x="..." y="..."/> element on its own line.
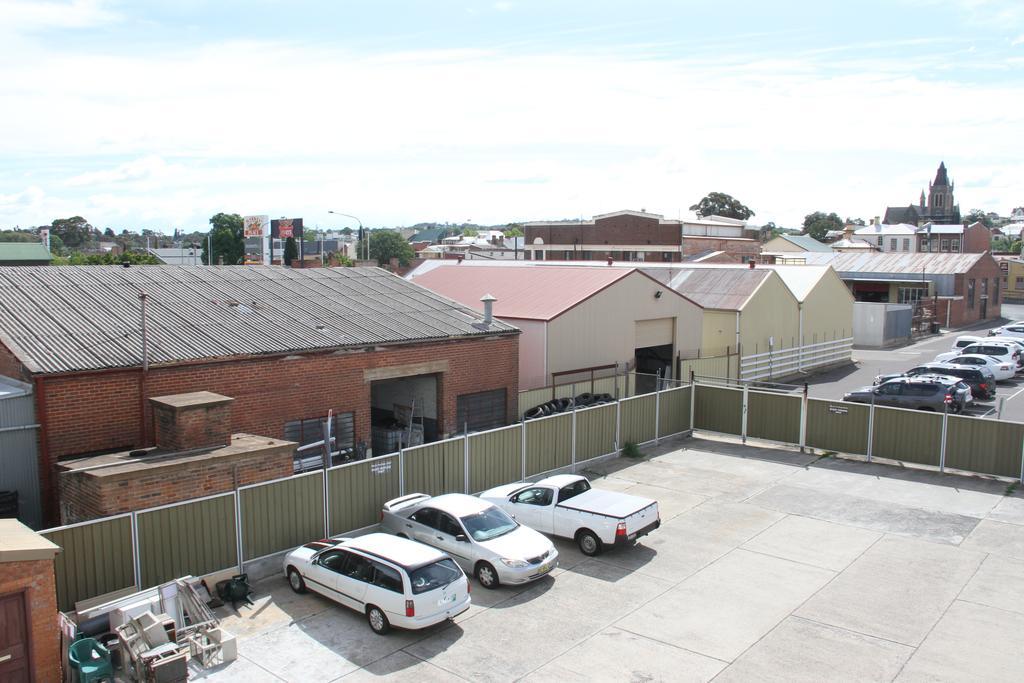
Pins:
<point x="941" y="179"/>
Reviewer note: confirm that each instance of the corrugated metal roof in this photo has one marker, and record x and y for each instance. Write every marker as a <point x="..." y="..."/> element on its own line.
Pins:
<point x="722" y="288"/>
<point x="67" y="318"/>
<point x="24" y="251"/>
<point x="806" y="242"/>
<point x="524" y="292"/>
<point x="877" y="262"/>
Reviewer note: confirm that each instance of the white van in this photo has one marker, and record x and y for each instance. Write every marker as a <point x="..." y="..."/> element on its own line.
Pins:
<point x="393" y="581"/>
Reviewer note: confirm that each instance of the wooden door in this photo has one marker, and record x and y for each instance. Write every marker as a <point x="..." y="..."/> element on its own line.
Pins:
<point x="14" y="654"/>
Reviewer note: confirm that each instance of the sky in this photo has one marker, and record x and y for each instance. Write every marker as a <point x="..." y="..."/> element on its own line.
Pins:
<point x="160" y="114"/>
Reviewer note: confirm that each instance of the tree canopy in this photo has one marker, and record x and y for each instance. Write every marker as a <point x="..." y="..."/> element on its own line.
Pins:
<point x="228" y="240"/>
<point x="386" y="245"/>
<point x="721" y="204"/>
<point x="74" y="232"/>
<point x="978" y="216"/>
<point x="136" y="258"/>
<point x="291" y="251"/>
<point x="817" y="224"/>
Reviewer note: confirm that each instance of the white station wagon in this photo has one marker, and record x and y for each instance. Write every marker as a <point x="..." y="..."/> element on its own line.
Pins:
<point x="478" y="535"/>
<point x="394" y="582"/>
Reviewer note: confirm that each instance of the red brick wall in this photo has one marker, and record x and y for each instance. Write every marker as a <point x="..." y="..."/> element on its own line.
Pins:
<point x="180" y="429"/>
<point x="10" y="366"/>
<point x="41" y="599"/>
<point x="83" y="497"/>
<point x="612" y="230"/>
<point x="977" y="239"/>
<point x="101" y="411"/>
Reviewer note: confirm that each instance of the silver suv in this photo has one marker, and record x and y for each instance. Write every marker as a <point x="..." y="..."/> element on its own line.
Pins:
<point x="921" y="392"/>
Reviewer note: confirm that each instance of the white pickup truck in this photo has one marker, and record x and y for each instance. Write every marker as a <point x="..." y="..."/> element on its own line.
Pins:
<point x="565" y="505"/>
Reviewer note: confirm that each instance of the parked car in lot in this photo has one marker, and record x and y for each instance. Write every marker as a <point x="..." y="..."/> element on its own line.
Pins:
<point x="923" y="392"/>
<point x="566" y="505"/>
<point x="1001" y="370"/>
<point x="482" y="538"/>
<point x="1011" y="330"/>
<point x="393" y="581"/>
<point x="1007" y="352"/>
<point x="965" y="340"/>
<point x="978" y="377"/>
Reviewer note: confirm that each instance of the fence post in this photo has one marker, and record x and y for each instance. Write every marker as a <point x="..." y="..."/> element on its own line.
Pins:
<point x="401" y="471"/>
<point x="871" y="427"/>
<point x="574" y="426"/>
<point x="942" y="444"/>
<point x="1022" y="461"/>
<point x="327" y="500"/>
<point x="465" y="461"/>
<point x="693" y="398"/>
<point x="524" y="450"/>
<point x="803" y="419"/>
<point x="238" y="527"/>
<point x="618" y="425"/>
<point x="136" y="555"/>
<point x="743" y="426"/>
<point x="657" y="409"/>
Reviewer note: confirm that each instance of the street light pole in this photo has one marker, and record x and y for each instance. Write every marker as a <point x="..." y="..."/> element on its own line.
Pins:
<point x="361" y="230"/>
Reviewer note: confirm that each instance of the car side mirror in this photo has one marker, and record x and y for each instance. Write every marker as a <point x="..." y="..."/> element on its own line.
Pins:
<point x="461" y="538"/>
<point x="876" y="392"/>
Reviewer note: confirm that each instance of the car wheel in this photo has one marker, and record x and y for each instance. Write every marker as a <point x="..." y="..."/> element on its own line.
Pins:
<point x="378" y="621"/>
<point x="295" y="580"/>
<point x="588" y="542"/>
<point x="486" y="575"/>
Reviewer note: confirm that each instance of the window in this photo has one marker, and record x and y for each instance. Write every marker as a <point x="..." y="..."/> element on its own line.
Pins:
<point x="984" y="288"/>
<point x="666" y="256"/>
<point x="482" y="410"/>
<point x="441" y="573"/>
<point x="970" y="293"/>
<point x="880" y="238"/>
<point x="924" y="244"/>
<point x="573" y="489"/>
<point x="910" y="295"/>
<point x="448" y="525"/>
<point x="332" y="559"/>
<point x="892" y="244"/>
<point x="919" y="389"/>
<point x="906" y="244"/>
<point x="891" y="389"/>
<point x="387" y="577"/>
<point x="945" y="245"/>
<point x="954" y="246"/>
<point x="305" y="432"/>
<point x="540" y="496"/>
<point x="357" y="567"/>
<point x="938" y="201"/>
<point x="426" y="517"/>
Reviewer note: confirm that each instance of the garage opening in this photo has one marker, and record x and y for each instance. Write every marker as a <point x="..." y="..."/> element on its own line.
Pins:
<point x="403" y="413"/>
<point x="480" y="411"/>
<point x="652" y="361"/>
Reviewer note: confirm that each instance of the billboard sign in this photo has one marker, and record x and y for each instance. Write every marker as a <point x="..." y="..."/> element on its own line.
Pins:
<point x="283" y="228"/>
<point x="255" y="226"/>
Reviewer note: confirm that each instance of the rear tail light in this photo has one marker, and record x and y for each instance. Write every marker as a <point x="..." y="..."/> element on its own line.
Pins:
<point x="620" y="529"/>
<point x="983" y="386"/>
<point x="410" y="608"/>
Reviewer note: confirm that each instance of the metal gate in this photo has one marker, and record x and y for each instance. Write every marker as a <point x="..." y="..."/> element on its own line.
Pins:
<point x="19" y="460"/>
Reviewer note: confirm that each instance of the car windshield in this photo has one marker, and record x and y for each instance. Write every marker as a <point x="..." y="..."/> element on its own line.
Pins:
<point x="432" y="576"/>
<point x="488" y="523"/>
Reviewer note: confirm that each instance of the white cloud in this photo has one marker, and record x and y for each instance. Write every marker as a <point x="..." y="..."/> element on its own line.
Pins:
<point x="18" y="16"/>
<point x="295" y="130"/>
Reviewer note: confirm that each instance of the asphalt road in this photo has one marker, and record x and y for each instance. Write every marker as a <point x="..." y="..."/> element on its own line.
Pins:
<point x="869" y="363"/>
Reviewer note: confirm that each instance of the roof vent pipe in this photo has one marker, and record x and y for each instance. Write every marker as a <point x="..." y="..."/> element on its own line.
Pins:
<point x="751" y="265"/>
<point x="488" y="308"/>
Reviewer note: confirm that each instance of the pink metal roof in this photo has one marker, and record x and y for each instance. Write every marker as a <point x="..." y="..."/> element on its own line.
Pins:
<point x="525" y="293"/>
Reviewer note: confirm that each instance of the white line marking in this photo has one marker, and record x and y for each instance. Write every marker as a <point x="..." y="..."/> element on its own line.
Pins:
<point x="1018" y="393"/>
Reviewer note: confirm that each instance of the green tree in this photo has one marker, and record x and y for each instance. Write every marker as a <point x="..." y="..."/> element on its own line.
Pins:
<point x="817" y="224"/>
<point x="18" y="236"/>
<point x="291" y="251"/>
<point x="721" y="204"/>
<point x="386" y="245"/>
<point x="74" y="232"/>
<point x="469" y="232"/>
<point x="108" y="233"/>
<point x="228" y="242"/>
<point x="513" y="230"/>
<point x="978" y="216"/>
<point x="77" y="258"/>
<point x="346" y="231"/>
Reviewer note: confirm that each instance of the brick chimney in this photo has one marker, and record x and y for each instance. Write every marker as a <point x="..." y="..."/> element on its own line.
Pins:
<point x="200" y="419"/>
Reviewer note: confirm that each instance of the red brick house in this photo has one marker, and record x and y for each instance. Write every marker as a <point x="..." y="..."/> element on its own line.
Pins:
<point x="638" y="236"/>
<point x="287" y="345"/>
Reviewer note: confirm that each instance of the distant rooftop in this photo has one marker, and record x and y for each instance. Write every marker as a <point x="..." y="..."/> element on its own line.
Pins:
<point x="32" y="252"/>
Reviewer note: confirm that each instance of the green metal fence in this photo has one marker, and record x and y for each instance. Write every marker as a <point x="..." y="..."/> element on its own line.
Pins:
<point x="495" y="457"/>
<point x="356" y="492"/>
<point x="281" y="514"/>
<point x="96" y="558"/>
<point x="595" y="432"/>
<point x="986" y="446"/>
<point x="436" y="468"/>
<point x="637" y="423"/>
<point x="774" y="416"/>
<point x="674" y="411"/>
<point x="548" y="443"/>
<point x="837" y="426"/>
<point x="907" y="435"/>
<point x="197" y="537"/>
<point x="718" y="409"/>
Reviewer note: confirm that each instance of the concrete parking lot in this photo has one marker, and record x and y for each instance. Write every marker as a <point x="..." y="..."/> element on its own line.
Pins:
<point x="770" y="565"/>
<point x="869" y="363"/>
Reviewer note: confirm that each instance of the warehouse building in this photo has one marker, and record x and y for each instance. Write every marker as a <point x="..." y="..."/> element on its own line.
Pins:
<point x="377" y="353"/>
<point x="576" y="320"/>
